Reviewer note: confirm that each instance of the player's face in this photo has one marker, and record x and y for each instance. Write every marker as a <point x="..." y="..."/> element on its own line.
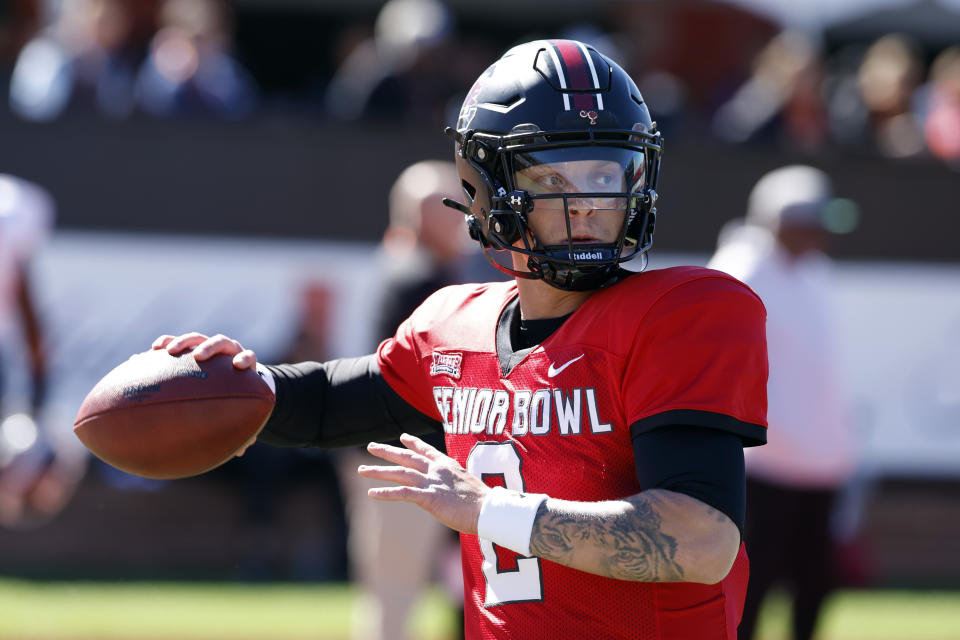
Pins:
<point x="592" y="171"/>
<point x="593" y="219"/>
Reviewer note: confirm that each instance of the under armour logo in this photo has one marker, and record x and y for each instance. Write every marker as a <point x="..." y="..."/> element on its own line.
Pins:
<point x="519" y="201"/>
<point x="593" y="115"/>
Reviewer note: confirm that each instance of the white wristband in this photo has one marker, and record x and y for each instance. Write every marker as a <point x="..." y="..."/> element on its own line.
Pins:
<point x="267" y="377"/>
<point x="506" y="518"/>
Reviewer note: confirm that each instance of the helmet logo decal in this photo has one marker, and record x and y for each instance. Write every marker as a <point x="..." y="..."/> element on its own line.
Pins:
<point x="593" y="115"/>
<point x="469" y="108"/>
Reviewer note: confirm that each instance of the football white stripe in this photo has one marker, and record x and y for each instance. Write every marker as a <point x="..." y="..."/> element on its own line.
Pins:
<point x="563" y="80"/>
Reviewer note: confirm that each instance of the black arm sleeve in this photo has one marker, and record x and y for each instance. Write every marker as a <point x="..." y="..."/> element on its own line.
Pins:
<point x="337" y="404"/>
<point x="701" y="462"/>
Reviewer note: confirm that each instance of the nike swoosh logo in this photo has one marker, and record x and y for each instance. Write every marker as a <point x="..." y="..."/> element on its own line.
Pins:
<point x="552" y="371"/>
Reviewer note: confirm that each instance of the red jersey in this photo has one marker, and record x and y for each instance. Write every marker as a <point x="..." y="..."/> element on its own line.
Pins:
<point x="676" y="346"/>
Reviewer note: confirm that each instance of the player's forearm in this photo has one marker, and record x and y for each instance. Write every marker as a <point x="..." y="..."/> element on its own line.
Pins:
<point x="338" y="403"/>
<point x="653" y="536"/>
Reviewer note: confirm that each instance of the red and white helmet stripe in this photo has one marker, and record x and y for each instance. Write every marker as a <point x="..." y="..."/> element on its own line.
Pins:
<point x="576" y="72"/>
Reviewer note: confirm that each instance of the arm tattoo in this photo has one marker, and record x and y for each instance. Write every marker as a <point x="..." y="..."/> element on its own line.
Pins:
<point x="631" y="543"/>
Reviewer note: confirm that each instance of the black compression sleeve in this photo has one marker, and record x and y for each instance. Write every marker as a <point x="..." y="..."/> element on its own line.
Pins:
<point x="337" y="404"/>
<point x="703" y="463"/>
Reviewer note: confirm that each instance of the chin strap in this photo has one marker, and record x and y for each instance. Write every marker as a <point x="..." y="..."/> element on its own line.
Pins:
<point x="526" y="275"/>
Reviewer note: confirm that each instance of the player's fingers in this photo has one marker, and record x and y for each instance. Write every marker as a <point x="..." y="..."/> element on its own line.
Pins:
<point x="216" y="345"/>
<point x="400" y="475"/>
<point x="246" y="359"/>
<point x="399" y="456"/>
<point x="425" y="449"/>
<point x="183" y="342"/>
<point x="162" y="341"/>
<point x="249" y="443"/>
<point x="396" y="494"/>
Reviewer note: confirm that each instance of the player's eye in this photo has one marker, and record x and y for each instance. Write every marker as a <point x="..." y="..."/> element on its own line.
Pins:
<point x="604" y="180"/>
<point x="553" y="181"/>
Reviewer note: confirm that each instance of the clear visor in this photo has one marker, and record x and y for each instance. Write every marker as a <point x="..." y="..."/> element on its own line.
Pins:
<point x="591" y="170"/>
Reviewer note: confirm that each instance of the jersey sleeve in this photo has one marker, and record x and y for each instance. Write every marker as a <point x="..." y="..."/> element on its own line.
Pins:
<point x="700" y="358"/>
<point x="400" y="361"/>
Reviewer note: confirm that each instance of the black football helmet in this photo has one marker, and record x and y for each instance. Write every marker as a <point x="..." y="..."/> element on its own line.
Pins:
<point x="547" y="104"/>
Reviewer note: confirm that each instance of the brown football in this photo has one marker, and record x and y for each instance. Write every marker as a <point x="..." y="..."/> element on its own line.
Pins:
<point x="162" y="416"/>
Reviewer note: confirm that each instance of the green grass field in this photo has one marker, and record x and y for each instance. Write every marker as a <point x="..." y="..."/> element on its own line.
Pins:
<point x="150" y="611"/>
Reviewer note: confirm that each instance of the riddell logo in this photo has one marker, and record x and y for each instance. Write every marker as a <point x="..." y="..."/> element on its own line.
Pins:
<point x="587" y="255"/>
<point x="447" y="364"/>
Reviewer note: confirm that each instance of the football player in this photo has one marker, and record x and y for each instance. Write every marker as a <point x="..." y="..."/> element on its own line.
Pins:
<point x="594" y="418"/>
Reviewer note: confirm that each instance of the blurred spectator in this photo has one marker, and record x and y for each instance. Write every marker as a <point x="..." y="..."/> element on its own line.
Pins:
<point x="395" y="550"/>
<point x="792" y="482"/>
<point x="873" y="108"/>
<point x="404" y="72"/>
<point x="37" y="473"/>
<point x="26" y="218"/>
<point x="942" y="122"/>
<point x="890" y="74"/>
<point x="781" y="99"/>
<point x="425" y="244"/>
<point x="189" y="69"/>
<point x="85" y="60"/>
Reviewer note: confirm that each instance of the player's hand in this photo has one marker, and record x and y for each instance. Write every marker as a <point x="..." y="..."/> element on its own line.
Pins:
<point x="428" y="479"/>
<point x="205" y="348"/>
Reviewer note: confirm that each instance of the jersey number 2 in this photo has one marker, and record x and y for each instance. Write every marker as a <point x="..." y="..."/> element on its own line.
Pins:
<point x="525" y="582"/>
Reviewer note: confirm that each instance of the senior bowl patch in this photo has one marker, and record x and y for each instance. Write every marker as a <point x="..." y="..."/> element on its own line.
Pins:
<point x="446" y="364"/>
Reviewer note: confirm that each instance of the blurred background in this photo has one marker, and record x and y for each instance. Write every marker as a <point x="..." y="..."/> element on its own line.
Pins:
<point x="175" y="165"/>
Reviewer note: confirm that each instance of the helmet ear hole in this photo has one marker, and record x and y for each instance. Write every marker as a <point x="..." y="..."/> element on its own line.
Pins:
<point x="469" y="190"/>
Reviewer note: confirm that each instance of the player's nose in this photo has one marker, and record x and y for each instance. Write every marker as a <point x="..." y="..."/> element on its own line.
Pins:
<point x="580" y="206"/>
